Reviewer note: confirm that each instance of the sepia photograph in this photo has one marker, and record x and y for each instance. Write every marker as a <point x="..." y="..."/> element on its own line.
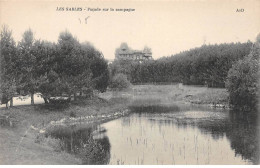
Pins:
<point x="95" y="82"/>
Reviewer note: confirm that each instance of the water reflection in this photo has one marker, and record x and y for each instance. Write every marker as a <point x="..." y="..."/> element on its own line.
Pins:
<point x="190" y="136"/>
<point x="89" y="143"/>
<point x="243" y="133"/>
<point x="186" y="137"/>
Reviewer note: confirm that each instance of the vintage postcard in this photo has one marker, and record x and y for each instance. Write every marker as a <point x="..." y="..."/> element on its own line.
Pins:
<point x="129" y="82"/>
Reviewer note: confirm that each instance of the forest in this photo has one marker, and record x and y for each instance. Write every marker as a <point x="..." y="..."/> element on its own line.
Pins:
<point x="52" y="69"/>
<point x="205" y="65"/>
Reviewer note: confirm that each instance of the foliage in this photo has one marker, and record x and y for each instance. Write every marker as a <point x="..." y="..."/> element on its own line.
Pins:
<point x="75" y="68"/>
<point x="28" y="64"/>
<point x="53" y="69"/>
<point x="98" y="66"/>
<point x="119" y="82"/>
<point x="122" y="67"/>
<point x="206" y="65"/>
<point x="242" y="81"/>
<point x="8" y="76"/>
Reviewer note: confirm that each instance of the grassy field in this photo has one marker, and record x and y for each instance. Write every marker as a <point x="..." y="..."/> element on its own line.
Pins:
<point x="168" y="94"/>
<point x="21" y="144"/>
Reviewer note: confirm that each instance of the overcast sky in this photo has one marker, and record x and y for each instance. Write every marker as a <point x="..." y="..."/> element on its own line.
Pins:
<point x="166" y="27"/>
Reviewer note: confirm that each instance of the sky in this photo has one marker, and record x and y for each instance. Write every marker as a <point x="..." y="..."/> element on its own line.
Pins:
<point x="167" y="27"/>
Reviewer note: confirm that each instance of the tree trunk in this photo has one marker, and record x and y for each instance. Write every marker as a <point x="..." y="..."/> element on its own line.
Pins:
<point x="11" y="102"/>
<point x="45" y="100"/>
<point x="32" y="99"/>
<point x="6" y="105"/>
<point x="75" y="96"/>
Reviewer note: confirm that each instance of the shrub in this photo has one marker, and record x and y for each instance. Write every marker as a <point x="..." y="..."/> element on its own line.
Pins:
<point x="242" y="81"/>
<point x="73" y="114"/>
<point x="119" y="82"/>
<point x="59" y="100"/>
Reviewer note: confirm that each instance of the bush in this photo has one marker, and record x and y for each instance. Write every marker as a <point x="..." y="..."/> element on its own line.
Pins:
<point x="59" y="100"/>
<point x="119" y="82"/>
<point x="242" y="81"/>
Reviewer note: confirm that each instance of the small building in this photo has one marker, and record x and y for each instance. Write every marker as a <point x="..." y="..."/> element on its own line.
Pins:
<point x="126" y="53"/>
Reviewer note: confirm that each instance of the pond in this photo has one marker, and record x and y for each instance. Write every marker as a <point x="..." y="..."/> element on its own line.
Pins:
<point x="192" y="135"/>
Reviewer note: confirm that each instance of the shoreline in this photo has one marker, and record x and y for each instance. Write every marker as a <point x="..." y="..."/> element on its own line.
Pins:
<point x="24" y="142"/>
<point x="90" y="118"/>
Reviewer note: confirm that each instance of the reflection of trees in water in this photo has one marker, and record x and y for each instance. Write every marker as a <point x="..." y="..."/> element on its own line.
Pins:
<point x="217" y="128"/>
<point x="243" y="134"/>
<point x="241" y="130"/>
<point x="82" y="143"/>
<point x="96" y="151"/>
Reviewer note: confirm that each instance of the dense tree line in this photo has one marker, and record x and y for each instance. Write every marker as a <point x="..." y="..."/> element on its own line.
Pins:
<point x="53" y="69"/>
<point x="206" y="65"/>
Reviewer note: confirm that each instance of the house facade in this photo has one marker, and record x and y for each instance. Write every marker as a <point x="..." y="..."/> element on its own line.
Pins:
<point x="126" y="53"/>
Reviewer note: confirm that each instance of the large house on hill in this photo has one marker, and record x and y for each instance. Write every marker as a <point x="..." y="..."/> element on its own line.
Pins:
<point x="126" y="53"/>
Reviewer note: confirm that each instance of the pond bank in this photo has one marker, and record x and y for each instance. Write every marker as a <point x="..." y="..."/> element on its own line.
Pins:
<point x="25" y="143"/>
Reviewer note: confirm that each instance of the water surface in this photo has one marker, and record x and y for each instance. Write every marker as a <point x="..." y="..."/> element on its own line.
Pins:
<point x="190" y="136"/>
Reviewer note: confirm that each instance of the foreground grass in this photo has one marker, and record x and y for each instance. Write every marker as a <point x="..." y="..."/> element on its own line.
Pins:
<point x="21" y="144"/>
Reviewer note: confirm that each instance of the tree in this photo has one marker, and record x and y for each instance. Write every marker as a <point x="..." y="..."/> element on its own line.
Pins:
<point x="98" y="66"/>
<point x="7" y="66"/>
<point x="119" y="82"/>
<point x="100" y="73"/>
<point x="28" y="65"/>
<point x="242" y="81"/>
<point x="73" y="64"/>
<point x="45" y="55"/>
<point x="73" y="68"/>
